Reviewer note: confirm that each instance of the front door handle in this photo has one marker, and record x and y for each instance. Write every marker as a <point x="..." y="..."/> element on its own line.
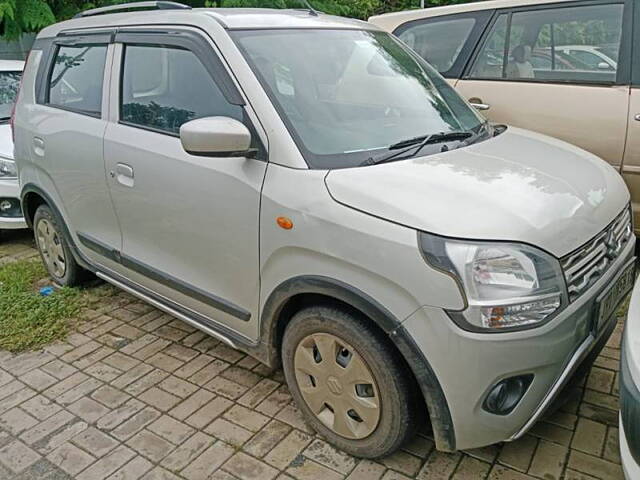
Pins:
<point x="637" y="117"/>
<point x="124" y="175"/>
<point x="483" y="107"/>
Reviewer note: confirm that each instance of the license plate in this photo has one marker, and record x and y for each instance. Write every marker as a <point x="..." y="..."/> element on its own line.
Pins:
<point x="608" y="301"/>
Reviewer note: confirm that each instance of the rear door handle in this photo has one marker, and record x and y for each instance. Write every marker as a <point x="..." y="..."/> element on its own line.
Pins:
<point x="124" y="175"/>
<point x="637" y="117"/>
<point x="38" y="146"/>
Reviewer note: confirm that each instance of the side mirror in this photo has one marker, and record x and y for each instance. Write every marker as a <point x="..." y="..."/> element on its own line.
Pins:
<point x="216" y="137"/>
<point x="603" y="66"/>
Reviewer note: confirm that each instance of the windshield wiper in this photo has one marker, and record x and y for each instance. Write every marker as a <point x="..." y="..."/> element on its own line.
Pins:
<point x="416" y="144"/>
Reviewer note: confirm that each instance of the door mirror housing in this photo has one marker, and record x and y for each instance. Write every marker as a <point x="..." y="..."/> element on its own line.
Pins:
<point x="604" y="66"/>
<point x="216" y="137"/>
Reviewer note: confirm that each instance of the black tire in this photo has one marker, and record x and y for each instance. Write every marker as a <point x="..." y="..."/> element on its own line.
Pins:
<point x="396" y="388"/>
<point x="74" y="274"/>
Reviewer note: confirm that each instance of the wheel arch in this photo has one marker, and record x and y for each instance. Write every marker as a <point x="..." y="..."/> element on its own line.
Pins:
<point x="296" y="293"/>
<point x="31" y="198"/>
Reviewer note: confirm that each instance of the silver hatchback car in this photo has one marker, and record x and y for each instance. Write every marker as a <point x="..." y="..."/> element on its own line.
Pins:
<point x="308" y="190"/>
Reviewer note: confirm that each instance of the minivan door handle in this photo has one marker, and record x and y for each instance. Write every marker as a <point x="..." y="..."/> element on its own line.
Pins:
<point x="124" y="175"/>
<point x="38" y="146"/>
<point x="480" y="106"/>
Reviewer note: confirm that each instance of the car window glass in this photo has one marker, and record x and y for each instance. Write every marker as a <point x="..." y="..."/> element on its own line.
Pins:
<point x="9" y="84"/>
<point x="363" y="91"/>
<point x="574" y="44"/>
<point x="164" y="87"/>
<point x="490" y="61"/>
<point x="77" y="77"/>
<point x="438" y="42"/>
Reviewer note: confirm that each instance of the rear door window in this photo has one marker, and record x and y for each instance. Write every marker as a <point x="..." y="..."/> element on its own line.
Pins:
<point x="570" y="44"/>
<point x="77" y="78"/>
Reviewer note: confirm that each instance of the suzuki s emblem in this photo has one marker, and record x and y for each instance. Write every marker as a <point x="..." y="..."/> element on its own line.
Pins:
<point x="612" y="245"/>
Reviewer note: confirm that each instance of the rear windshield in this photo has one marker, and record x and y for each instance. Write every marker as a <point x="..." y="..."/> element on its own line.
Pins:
<point x="345" y="94"/>
<point x="9" y="84"/>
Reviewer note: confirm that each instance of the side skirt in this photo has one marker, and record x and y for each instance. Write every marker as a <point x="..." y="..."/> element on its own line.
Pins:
<point x="207" y="325"/>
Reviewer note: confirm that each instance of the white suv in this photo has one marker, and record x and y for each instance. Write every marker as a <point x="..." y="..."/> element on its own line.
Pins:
<point x="10" y="211"/>
<point x="307" y="189"/>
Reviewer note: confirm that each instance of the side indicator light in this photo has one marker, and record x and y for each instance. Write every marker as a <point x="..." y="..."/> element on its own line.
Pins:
<point x="284" y="222"/>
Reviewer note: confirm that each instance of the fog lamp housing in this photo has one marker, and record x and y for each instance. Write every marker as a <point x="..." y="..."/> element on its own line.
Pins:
<point x="10" y="208"/>
<point x="505" y="395"/>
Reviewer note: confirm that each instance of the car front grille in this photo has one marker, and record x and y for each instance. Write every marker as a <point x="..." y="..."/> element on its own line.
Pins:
<point x="586" y="265"/>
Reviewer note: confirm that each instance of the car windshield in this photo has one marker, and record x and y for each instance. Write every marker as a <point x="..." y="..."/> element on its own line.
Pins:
<point x="9" y="84"/>
<point x="347" y="94"/>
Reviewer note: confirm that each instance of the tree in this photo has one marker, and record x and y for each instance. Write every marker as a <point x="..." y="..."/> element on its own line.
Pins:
<point x="19" y="16"/>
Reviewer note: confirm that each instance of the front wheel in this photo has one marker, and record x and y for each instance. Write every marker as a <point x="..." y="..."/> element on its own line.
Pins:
<point x="348" y="382"/>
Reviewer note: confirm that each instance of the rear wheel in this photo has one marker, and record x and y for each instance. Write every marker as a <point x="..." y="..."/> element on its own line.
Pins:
<point x="348" y="382"/>
<point x="54" y="250"/>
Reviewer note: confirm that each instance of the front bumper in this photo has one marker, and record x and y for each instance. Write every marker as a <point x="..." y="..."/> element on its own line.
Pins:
<point x="468" y="364"/>
<point x="9" y="189"/>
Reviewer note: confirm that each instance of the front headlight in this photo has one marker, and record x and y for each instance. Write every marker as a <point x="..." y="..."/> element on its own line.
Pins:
<point x="7" y="169"/>
<point x="507" y="285"/>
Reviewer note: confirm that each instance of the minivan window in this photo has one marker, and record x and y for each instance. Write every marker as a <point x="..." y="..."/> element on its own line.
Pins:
<point x="363" y="91"/>
<point x="438" y="41"/>
<point x="572" y="44"/>
<point x="164" y="87"/>
<point x="9" y="85"/>
<point x="77" y="77"/>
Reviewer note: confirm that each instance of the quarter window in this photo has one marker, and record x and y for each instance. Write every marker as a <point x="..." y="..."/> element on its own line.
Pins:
<point x="77" y="77"/>
<point x="573" y="44"/>
<point x="163" y="87"/>
<point x="438" y="41"/>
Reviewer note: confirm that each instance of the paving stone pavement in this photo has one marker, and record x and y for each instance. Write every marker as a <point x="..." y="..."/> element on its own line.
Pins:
<point x="136" y="394"/>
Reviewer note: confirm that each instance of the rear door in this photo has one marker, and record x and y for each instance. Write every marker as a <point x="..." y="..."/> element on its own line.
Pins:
<point x="521" y="71"/>
<point x="68" y="125"/>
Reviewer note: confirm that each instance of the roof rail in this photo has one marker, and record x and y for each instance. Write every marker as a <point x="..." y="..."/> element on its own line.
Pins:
<point x="158" y="5"/>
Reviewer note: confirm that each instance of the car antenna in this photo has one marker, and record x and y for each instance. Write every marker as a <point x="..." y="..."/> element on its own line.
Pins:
<point x="312" y="11"/>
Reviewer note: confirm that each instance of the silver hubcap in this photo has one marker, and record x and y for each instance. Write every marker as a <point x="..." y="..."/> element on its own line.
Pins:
<point x="50" y="246"/>
<point x="337" y="385"/>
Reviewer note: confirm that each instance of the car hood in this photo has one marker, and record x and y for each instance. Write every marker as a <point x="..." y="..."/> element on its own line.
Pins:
<point x="6" y="141"/>
<point x="519" y="186"/>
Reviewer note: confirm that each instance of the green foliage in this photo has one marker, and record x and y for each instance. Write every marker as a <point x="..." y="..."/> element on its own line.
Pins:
<point x="29" y="320"/>
<point x="17" y="16"/>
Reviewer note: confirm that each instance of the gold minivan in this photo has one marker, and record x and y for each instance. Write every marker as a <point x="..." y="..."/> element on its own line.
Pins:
<point x="565" y="68"/>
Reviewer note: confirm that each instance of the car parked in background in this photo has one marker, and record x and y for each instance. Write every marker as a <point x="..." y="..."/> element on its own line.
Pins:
<point x="565" y="68"/>
<point x="10" y="211"/>
<point x="306" y="189"/>
<point x="630" y="390"/>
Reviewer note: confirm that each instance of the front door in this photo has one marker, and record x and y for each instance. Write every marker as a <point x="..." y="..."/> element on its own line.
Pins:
<point x="190" y="224"/>
<point x="531" y="71"/>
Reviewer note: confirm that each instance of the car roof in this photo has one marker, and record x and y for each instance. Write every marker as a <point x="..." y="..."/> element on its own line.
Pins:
<point x="11" y="65"/>
<point x="391" y="21"/>
<point x="229" y="18"/>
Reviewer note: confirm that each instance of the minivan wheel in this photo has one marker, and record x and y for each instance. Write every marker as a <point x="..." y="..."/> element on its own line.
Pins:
<point x="54" y="250"/>
<point x="348" y="382"/>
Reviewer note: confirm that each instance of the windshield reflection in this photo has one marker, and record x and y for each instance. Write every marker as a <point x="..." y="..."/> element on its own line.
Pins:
<point x="346" y="93"/>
